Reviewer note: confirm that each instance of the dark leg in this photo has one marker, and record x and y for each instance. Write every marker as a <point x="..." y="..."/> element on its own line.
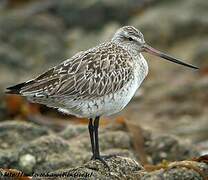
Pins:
<point x="97" y="151"/>
<point x="91" y="132"/>
<point x="96" y="126"/>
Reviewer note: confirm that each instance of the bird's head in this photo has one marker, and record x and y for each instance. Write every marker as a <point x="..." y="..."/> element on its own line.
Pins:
<point x="129" y="37"/>
<point x="132" y="39"/>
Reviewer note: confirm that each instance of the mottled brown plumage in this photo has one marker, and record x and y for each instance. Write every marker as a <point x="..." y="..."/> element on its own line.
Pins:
<point x="90" y="74"/>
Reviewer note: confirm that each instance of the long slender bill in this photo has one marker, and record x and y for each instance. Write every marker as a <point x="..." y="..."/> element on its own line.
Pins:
<point x="155" y="52"/>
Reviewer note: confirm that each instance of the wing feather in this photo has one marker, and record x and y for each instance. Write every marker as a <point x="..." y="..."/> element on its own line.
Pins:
<point x="87" y="75"/>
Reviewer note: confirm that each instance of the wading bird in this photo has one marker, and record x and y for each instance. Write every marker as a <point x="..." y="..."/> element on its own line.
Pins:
<point x="97" y="82"/>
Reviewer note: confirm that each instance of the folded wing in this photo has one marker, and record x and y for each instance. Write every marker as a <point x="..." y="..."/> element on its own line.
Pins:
<point x="87" y="75"/>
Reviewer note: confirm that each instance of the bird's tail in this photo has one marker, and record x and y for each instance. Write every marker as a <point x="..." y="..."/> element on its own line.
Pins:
<point x="15" y="89"/>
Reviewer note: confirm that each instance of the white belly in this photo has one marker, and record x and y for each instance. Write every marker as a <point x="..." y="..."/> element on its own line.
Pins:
<point x="106" y="105"/>
<point x="112" y="103"/>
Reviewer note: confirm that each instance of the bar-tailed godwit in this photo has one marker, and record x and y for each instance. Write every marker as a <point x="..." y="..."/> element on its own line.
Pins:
<point x="97" y="82"/>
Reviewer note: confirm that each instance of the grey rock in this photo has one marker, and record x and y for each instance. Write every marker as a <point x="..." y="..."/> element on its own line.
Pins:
<point x="49" y="152"/>
<point x="72" y="131"/>
<point x="27" y="163"/>
<point x="107" y="139"/>
<point x="125" y="168"/>
<point x="41" y="151"/>
<point x="15" y="133"/>
<point x="120" y="168"/>
<point x="180" y="170"/>
<point x="8" y="159"/>
<point x="166" y="147"/>
<point x="31" y="148"/>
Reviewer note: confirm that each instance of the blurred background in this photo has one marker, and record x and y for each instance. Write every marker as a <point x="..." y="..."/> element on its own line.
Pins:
<point x="173" y="100"/>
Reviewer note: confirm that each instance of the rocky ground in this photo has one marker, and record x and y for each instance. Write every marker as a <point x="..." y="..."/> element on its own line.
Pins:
<point x="39" y="151"/>
<point x="166" y="121"/>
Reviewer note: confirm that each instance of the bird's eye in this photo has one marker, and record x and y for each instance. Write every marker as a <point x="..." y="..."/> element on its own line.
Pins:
<point x="130" y="39"/>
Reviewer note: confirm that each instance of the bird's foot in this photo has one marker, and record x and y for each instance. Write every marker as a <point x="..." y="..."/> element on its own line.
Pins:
<point x="92" y="158"/>
<point x="109" y="156"/>
<point x="102" y="159"/>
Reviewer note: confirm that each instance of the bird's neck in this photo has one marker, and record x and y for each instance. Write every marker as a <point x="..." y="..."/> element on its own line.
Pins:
<point x="142" y="63"/>
<point x="141" y="66"/>
<point x="126" y="46"/>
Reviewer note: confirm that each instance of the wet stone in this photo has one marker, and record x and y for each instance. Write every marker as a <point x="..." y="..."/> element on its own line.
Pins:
<point x="166" y="147"/>
<point x="73" y="130"/>
<point x="16" y="133"/>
